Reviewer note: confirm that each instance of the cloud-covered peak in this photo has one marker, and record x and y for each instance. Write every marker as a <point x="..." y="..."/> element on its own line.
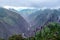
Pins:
<point x="18" y="8"/>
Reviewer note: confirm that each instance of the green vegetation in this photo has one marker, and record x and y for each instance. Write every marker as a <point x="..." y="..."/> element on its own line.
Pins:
<point x="48" y="32"/>
<point x="1" y="39"/>
<point x="19" y="37"/>
<point x="16" y="37"/>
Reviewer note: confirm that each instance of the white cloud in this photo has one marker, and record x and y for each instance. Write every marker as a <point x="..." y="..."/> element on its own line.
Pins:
<point x="18" y="8"/>
<point x="41" y="1"/>
<point x="30" y="3"/>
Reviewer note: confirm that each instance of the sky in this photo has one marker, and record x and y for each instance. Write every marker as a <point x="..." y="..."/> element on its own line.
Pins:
<point x="31" y="3"/>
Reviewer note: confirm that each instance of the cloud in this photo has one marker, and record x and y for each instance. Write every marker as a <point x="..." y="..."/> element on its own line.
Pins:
<point x="18" y="8"/>
<point x="46" y="3"/>
<point x="31" y="3"/>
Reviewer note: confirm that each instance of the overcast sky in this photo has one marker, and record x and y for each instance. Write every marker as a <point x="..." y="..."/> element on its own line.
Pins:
<point x="31" y="3"/>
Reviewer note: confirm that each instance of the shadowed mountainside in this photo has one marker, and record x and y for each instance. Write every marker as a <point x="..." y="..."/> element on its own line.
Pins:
<point x="11" y="23"/>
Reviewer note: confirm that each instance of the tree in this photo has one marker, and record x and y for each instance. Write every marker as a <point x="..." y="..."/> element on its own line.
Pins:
<point x="49" y="32"/>
<point x="16" y="37"/>
<point x="1" y="39"/>
<point x="31" y="38"/>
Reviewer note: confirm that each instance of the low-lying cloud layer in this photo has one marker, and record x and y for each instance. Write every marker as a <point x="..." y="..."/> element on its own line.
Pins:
<point x="31" y="3"/>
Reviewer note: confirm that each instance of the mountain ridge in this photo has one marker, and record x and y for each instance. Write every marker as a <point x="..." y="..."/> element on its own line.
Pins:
<point x="12" y="22"/>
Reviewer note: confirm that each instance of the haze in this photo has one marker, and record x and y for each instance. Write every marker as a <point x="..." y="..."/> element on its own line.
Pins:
<point x="31" y="3"/>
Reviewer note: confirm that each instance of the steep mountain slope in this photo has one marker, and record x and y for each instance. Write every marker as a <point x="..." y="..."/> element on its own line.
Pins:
<point x="11" y="23"/>
<point x="32" y="16"/>
<point x="42" y="17"/>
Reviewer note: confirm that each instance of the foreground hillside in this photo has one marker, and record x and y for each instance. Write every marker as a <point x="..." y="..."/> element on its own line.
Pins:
<point x="50" y="31"/>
